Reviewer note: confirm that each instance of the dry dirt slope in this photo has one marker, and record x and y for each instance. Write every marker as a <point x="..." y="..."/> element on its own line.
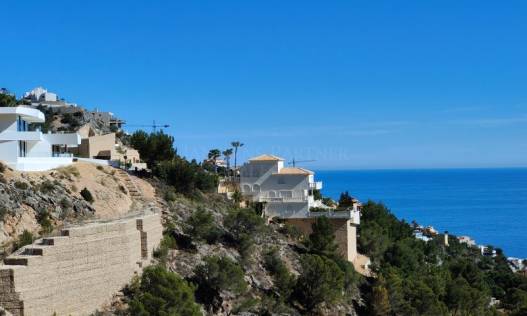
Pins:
<point x="25" y="196"/>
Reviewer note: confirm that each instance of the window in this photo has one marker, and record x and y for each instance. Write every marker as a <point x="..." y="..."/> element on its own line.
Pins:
<point x="22" y="148"/>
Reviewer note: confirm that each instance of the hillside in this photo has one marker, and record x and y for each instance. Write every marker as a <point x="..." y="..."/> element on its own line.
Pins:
<point x="39" y="202"/>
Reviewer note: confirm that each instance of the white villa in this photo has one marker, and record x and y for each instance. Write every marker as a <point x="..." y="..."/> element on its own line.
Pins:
<point x="39" y="94"/>
<point x="288" y="194"/>
<point x="287" y="191"/>
<point x="31" y="150"/>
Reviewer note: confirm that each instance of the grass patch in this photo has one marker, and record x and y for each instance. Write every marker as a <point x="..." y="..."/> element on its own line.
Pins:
<point x="21" y="185"/>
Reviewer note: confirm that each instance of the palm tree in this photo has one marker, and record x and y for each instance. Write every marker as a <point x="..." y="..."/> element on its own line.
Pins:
<point x="236" y="145"/>
<point x="227" y="153"/>
<point x="213" y="155"/>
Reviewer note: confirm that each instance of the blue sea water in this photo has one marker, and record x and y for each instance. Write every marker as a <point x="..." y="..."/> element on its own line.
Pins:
<point x="490" y="205"/>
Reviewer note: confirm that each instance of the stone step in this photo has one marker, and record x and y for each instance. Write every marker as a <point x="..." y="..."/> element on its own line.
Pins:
<point x="16" y="261"/>
<point x="33" y="252"/>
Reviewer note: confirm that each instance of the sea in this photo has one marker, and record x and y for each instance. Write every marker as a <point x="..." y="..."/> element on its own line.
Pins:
<point x="489" y="205"/>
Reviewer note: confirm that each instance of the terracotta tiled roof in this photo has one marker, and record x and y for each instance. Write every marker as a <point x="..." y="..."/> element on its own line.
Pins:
<point x="266" y="158"/>
<point x="295" y="170"/>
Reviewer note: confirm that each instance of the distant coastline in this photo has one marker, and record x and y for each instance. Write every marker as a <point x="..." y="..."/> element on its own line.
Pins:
<point x="487" y="204"/>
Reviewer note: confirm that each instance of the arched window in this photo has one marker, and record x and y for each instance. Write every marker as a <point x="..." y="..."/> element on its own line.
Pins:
<point x="246" y="188"/>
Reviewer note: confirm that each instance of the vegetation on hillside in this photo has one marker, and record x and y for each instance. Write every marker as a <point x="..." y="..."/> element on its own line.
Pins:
<point x="428" y="278"/>
<point x="186" y="177"/>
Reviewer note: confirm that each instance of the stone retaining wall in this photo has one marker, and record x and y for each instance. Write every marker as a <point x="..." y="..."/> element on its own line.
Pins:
<point x="344" y="229"/>
<point x="78" y="272"/>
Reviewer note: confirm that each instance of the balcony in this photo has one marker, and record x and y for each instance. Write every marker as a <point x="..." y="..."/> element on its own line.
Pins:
<point x="23" y="136"/>
<point x="315" y="185"/>
<point x="353" y="215"/>
<point x="62" y="155"/>
<point x="281" y="199"/>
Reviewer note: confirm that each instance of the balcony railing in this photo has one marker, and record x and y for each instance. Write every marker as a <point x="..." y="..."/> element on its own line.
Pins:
<point x="315" y="185"/>
<point x="283" y="199"/>
<point x="62" y="155"/>
<point x="348" y="214"/>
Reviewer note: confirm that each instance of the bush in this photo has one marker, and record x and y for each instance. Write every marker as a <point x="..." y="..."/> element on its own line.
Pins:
<point x="201" y="226"/>
<point x="2" y="167"/>
<point x="161" y="292"/>
<point x="168" y="242"/>
<point x="243" y="222"/>
<point x="243" y="225"/>
<point x="46" y="187"/>
<point x="100" y="168"/>
<point x="24" y="239"/>
<point x="290" y="231"/>
<point x="65" y="204"/>
<point x="170" y="196"/>
<point x="186" y="177"/>
<point x="322" y="240"/>
<point x="321" y="281"/>
<point x="3" y="212"/>
<point x="67" y="172"/>
<point x="284" y="281"/>
<point x="21" y="185"/>
<point x="86" y="195"/>
<point x="43" y="218"/>
<point x="215" y="275"/>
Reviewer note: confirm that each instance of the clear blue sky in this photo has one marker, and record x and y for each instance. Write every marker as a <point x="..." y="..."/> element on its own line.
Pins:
<point x="352" y="84"/>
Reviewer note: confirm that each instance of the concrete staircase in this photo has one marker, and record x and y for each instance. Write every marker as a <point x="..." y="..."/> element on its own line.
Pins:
<point x="130" y="185"/>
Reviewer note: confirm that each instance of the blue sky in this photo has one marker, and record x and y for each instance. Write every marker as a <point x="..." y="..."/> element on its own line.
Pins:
<point x="351" y="84"/>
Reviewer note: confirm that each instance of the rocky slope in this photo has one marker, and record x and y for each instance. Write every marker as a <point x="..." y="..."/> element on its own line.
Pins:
<point x="39" y="202"/>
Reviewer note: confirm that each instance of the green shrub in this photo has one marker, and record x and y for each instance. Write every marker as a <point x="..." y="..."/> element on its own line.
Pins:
<point x="284" y="281"/>
<point x="65" y="204"/>
<point x="3" y="212"/>
<point x="321" y="281"/>
<point x="47" y="187"/>
<point x="215" y="275"/>
<point x="170" y="196"/>
<point x="21" y="185"/>
<point x="243" y="225"/>
<point x="2" y="167"/>
<point x="161" y="292"/>
<point x="322" y="239"/>
<point x="100" y="168"/>
<point x="186" y="177"/>
<point x="168" y="242"/>
<point x="86" y="195"/>
<point x="243" y="222"/>
<point x="24" y="239"/>
<point x="290" y="231"/>
<point x="201" y="226"/>
<point x="43" y="218"/>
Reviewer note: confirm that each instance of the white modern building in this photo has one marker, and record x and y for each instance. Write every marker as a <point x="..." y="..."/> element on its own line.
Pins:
<point x="287" y="193"/>
<point x="39" y="94"/>
<point x="28" y="149"/>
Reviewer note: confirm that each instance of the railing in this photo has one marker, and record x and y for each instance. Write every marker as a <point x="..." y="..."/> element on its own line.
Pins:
<point x="348" y="214"/>
<point x="315" y="185"/>
<point x="283" y="199"/>
<point x="62" y="155"/>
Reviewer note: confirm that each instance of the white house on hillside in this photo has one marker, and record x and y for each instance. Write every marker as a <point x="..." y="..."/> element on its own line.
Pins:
<point x="288" y="194"/>
<point x="40" y="94"/>
<point x="31" y="150"/>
